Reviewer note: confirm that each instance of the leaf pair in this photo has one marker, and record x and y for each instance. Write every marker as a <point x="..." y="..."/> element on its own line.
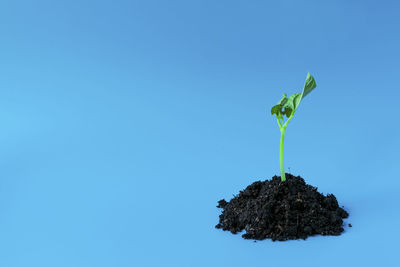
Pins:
<point x="287" y="106"/>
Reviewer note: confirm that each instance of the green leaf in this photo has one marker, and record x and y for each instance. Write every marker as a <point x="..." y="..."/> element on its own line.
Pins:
<point x="278" y="107"/>
<point x="309" y="85"/>
<point x="283" y="100"/>
<point x="276" y="110"/>
<point x="287" y="106"/>
<point x="287" y="111"/>
<point x="291" y="104"/>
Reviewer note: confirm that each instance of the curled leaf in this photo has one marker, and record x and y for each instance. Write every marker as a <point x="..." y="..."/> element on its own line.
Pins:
<point x="291" y="104"/>
<point x="277" y="109"/>
<point x="287" y="106"/>
<point x="309" y="85"/>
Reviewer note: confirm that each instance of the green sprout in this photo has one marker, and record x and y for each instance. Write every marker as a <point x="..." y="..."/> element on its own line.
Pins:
<point x="287" y="107"/>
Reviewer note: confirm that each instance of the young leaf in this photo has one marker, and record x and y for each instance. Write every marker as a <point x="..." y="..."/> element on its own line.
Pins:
<point x="291" y="105"/>
<point x="278" y="107"/>
<point x="276" y="110"/>
<point x="283" y="100"/>
<point x="309" y="85"/>
<point x="287" y="111"/>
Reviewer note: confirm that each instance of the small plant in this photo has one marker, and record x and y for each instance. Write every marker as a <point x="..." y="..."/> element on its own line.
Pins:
<point x="287" y="107"/>
<point x="283" y="208"/>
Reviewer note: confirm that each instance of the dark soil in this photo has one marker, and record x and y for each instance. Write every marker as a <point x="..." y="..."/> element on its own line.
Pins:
<point x="281" y="211"/>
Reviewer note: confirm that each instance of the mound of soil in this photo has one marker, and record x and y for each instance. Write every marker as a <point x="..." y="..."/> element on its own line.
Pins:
<point x="281" y="211"/>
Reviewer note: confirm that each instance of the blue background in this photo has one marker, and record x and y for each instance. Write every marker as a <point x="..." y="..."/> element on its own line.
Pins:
<point x="124" y="122"/>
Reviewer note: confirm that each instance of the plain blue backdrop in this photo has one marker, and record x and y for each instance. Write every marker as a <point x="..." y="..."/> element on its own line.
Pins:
<point x="124" y="122"/>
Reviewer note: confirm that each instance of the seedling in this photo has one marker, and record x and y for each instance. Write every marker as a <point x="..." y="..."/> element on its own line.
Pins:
<point x="287" y="107"/>
<point x="317" y="214"/>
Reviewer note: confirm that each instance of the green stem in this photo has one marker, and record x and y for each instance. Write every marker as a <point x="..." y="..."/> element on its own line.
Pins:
<point x="287" y="122"/>
<point x="283" y="178"/>
<point x="279" y="122"/>
<point x="283" y="126"/>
